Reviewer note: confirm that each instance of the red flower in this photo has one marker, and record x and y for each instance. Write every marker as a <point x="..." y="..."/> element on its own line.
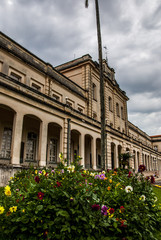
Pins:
<point x="130" y="174"/>
<point x="142" y="168"/>
<point x="95" y="207"/>
<point x="58" y="184"/>
<point x="123" y="223"/>
<point x="122" y="209"/>
<point x="152" y="179"/>
<point x="37" y="179"/>
<point x="111" y="210"/>
<point x="40" y="195"/>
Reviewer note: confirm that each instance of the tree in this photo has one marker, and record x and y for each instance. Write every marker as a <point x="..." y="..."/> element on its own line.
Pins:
<point x="102" y="98"/>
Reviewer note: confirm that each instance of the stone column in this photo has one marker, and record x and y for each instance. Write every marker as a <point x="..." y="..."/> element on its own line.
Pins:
<point x="16" y="138"/>
<point x="43" y="143"/>
<point x="93" y="146"/>
<point x="82" y="149"/>
<point x="108" y="153"/>
<point x="116" y="159"/>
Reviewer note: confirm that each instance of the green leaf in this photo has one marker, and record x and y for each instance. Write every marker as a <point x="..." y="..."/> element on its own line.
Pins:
<point x="115" y="224"/>
<point x="23" y="229"/>
<point x="39" y="208"/>
<point x="63" y="213"/>
<point x="66" y="194"/>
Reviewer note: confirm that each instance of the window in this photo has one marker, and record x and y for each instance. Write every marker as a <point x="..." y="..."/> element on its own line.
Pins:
<point x="99" y="161"/>
<point x="117" y="110"/>
<point x="69" y="104"/>
<point x="80" y="109"/>
<point x="15" y="76"/>
<point x="36" y="87"/>
<point x="122" y="113"/>
<point x="53" y="150"/>
<point x="6" y="143"/>
<point x="55" y="97"/>
<point x="95" y="116"/>
<point x="94" y="92"/>
<point x="110" y="103"/>
<point x="31" y="146"/>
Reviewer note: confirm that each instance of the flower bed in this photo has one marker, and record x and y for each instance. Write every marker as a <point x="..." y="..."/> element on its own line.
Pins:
<point x="69" y="204"/>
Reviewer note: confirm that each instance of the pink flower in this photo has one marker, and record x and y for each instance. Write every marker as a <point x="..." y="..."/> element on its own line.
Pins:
<point x="104" y="210"/>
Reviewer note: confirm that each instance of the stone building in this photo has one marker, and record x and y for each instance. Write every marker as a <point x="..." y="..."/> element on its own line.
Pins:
<point x="45" y="110"/>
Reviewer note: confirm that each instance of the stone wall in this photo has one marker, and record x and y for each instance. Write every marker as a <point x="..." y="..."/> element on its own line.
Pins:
<point x="6" y="172"/>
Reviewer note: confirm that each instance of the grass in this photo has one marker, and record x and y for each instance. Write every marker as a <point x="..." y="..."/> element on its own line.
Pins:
<point x="157" y="192"/>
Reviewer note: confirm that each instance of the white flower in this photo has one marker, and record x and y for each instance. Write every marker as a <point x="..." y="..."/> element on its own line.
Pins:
<point x="155" y="199"/>
<point x="128" y="189"/>
<point x="142" y="198"/>
<point x="71" y="168"/>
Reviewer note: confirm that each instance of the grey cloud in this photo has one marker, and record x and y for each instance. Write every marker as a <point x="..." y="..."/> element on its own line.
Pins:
<point x="153" y="21"/>
<point x="58" y="30"/>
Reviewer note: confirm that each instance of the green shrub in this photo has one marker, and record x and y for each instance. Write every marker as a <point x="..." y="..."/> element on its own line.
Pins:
<point x="68" y="204"/>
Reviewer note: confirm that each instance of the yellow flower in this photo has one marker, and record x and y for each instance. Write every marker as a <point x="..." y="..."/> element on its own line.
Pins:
<point x="105" y="178"/>
<point x="7" y="190"/>
<point x="13" y="209"/>
<point x="23" y="210"/>
<point x="44" y="172"/>
<point x="108" y="188"/>
<point x="1" y="209"/>
<point x="117" y="184"/>
<point x="35" y="171"/>
<point x="110" y="180"/>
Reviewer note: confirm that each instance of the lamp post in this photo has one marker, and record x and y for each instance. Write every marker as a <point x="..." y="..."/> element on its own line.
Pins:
<point x="102" y="98"/>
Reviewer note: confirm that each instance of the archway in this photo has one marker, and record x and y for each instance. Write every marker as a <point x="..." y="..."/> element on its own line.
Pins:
<point x="53" y="144"/>
<point x="88" y="151"/>
<point x="6" y="129"/>
<point x="119" y="153"/>
<point x="75" y="147"/>
<point x="29" y="153"/>
<point x="113" y="155"/>
<point x="98" y="153"/>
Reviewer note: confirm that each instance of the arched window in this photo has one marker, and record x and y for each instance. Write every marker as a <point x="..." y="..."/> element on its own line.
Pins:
<point x="110" y="103"/>
<point x="117" y="110"/>
<point x="6" y="144"/>
<point x="31" y="146"/>
<point x="53" y="150"/>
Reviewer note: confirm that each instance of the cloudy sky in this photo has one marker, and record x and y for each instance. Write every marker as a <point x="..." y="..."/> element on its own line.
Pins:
<point x="59" y="30"/>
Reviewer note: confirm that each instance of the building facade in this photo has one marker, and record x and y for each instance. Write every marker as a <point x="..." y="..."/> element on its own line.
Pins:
<point x="46" y="110"/>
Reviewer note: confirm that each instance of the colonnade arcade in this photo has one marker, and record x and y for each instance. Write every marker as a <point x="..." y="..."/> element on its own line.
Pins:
<point x="28" y="137"/>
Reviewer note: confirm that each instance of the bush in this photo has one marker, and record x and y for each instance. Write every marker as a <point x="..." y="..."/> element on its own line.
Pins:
<point x="68" y="204"/>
